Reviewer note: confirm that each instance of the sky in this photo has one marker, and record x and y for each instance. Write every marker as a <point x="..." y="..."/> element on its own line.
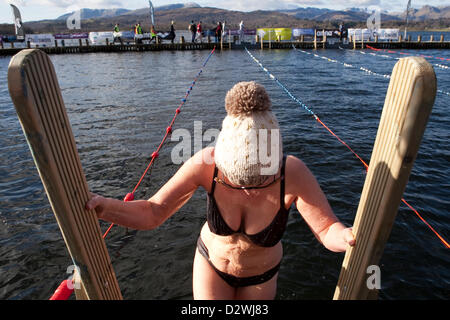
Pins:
<point x="51" y="9"/>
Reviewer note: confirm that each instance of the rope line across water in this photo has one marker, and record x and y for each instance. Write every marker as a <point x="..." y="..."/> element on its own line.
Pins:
<point x="155" y="154"/>
<point x="440" y="66"/>
<point x="65" y="289"/>
<point x="304" y="106"/>
<point x="407" y="54"/>
<point x="367" y="71"/>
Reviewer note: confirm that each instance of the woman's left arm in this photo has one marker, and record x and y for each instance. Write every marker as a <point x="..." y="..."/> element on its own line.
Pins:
<point x="313" y="205"/>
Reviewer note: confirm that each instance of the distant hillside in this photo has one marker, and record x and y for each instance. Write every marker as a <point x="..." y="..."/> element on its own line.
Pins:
<point x="182" y="18"/>
<point x="356" y="14"/>
<point x="109" y="13"/>
<point x="102" y="20"/>
<point x="306" y="13"/>
<point x="427" y="13"/>
<point x="96" y="13"/>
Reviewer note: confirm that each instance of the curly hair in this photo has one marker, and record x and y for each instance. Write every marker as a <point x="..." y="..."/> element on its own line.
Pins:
<point x="247" y="97"/>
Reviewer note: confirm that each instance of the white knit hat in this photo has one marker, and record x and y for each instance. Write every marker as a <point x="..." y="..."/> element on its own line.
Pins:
<point x="249" y="148"/>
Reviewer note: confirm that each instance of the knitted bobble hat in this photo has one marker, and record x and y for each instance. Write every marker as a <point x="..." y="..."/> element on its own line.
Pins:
<point x="249" y="148"/>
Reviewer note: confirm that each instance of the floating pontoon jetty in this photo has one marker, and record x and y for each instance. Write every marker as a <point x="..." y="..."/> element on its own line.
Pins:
<point x="86" y="47"/>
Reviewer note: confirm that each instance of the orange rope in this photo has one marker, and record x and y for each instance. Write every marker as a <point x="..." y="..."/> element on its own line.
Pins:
<point x="435" y="232"/>
<point x="130" y="196"/>
<point x="367" y="168"/>
<point x="343" y="142"/>
<point x="271" y="76"/>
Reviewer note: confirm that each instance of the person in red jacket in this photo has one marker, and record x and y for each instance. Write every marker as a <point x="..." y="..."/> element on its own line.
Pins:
<point x="199" y="32"/>
<point x="218" y="31"/>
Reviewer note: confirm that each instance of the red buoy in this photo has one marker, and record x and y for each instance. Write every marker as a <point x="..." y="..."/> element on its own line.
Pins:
<point x="63" y="292"/>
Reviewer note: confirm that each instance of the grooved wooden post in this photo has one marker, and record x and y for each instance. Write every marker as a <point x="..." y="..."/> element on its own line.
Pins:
<point x="407" y="107"/>
<point x="35" y="91"/>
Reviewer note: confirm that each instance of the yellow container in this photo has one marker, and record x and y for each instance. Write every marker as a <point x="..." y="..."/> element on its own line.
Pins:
<point x="273" y="34"/>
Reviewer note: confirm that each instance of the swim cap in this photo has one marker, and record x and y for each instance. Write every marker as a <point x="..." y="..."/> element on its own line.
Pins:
<point x="249" y="148"/>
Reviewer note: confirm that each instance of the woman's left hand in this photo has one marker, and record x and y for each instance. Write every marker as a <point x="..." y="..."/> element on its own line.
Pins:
<point x="347" y="235"/>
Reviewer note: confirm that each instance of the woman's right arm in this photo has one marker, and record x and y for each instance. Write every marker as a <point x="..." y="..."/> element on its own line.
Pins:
<point x="149" y="214"/>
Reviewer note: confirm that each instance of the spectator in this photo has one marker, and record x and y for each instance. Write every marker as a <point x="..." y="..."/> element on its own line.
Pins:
<point x="218" y="31"/>
<point x="199" y="32"/>
<point x="193" y="29"/>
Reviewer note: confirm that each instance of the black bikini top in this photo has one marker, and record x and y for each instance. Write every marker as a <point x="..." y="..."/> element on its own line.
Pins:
<point x="268" y="237"/>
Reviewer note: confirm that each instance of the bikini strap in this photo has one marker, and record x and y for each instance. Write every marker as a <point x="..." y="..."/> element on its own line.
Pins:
<point x="213" y="186"/>
<point x="282" y="183"/>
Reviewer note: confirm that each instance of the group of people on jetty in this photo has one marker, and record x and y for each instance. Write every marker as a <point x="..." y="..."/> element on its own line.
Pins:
<point x="196" y="30"/>
<point x="218" y="31"/>
<point x="139" y="33"/>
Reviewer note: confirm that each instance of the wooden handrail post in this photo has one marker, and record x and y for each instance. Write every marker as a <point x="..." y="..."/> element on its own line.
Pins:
<point x="36" y="95"/>
<point x="407" y="107"/>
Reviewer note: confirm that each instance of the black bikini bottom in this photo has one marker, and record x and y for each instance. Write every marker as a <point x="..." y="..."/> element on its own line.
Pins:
<point x="237" y="281"/>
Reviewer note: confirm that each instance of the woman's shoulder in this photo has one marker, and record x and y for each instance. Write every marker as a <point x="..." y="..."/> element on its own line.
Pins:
<point x="203" y="158"/>
<point x="297" y="174"/>
<point x="294" y="164"/>
<point x="202" y="165"/>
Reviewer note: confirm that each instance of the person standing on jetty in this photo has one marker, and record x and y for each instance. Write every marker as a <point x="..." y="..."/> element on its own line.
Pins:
<point x="241" y="32"/>
<point x="116" y="34"/>
<point x="341" y="31"/>
<point x="138" y="28"/>
<point x="138" y="33"/>
<point x="172" y="31"/>
<point x="250" y="191"/>
<point x="199" y="32"/>
<point x="153" y="34"/>
<point x="218" y="32"/>
<point x="193" y="29"/>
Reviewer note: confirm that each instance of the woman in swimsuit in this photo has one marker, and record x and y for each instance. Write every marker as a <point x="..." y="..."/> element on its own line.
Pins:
<point x="251" y="186"/>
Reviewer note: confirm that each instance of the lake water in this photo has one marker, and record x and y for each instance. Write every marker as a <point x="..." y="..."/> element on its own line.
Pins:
<point x="119" y="106"/>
